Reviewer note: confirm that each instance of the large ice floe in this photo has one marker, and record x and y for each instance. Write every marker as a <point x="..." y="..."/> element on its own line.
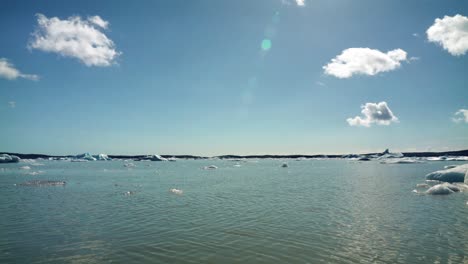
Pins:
<point x="447" y="181"/>
<point x="5" y="158"/>
<point x="455" y="174"/>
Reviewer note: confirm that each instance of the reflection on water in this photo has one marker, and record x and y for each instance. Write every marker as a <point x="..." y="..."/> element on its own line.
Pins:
<point x="313" y="211"/>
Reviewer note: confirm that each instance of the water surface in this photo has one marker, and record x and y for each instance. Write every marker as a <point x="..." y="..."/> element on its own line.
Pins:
<point x="331" y="211"/>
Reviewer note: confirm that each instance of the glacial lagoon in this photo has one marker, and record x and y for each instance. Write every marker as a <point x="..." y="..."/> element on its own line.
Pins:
<point x="253" y="211"/>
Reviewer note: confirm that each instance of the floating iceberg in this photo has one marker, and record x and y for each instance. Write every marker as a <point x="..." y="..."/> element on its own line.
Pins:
<point x="85" y="156"/>
<point x="5" y="158"/>
<point x="388" y="155"/>
<point x="101" y="157"/>
<point x="446" y="188"/>
<point x="25" y="168"/>
<point x="456" y="174"/>
<point x="439" y="189"/>
<point x="155" y="158"/>
<point x="176" y="191"/>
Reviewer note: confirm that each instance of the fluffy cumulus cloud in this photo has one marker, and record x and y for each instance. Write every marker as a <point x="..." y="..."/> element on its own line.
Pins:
<point x="8" y="71"/>
<point x="74" y="37"/>
<point x="451" y="33"/>
<point x="300" y="2"/>
<point x="373" y="113"/>
<point x="364" y="61"/>
<point x="461" y="116"/>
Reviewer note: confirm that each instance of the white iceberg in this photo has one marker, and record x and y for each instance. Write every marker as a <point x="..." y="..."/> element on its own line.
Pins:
<point x="456" y="174"/>
<point x="5" y="158"/>
<point x="25" y="168"/>
<point x="155" y="158"/>
<point x="101" y="157"/>
<point x="85" y="156"/>
<point x="389" y="155"/>
<point x="440" y="189"/>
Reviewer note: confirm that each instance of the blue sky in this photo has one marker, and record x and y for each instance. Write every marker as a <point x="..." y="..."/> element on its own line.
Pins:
<point x="191" y="77"/>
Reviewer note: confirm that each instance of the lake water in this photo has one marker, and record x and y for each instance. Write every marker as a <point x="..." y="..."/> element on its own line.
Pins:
<point x="329" y="211"/>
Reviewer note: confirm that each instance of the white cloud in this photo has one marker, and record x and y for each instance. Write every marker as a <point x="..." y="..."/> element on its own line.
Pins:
<point x="300" y="2"/>
<point x="451" y="33"/>
<point x="75" y="38"/>
<point x="415" y="35"/>
<point x="97" y="20"/>
<point x="8" y="71"/>
<point x="12" y="104"/>
<point x="364" y="61"/>
<point x="461" y="116"/>
<point x="378" y="113"/>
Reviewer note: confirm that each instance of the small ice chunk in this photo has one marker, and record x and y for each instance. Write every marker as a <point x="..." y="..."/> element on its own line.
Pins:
<point x="34" y="173"/>
<point x="25" y="168"/>
<point x="129" y="165"/>
<point x="129" y="193"/>
<point x="176" y="191"/>
<point x="211" y="167"/>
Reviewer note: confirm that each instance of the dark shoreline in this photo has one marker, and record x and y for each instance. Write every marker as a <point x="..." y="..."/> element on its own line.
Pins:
<point x="295" y="156"/>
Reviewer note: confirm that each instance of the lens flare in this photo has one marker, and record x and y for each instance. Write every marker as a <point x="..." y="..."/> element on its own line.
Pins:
<point x="266" y="44"/>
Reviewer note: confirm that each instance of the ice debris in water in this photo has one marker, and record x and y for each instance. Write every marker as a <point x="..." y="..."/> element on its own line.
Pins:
<point x="455" y="174"/>
<point x="5" y="158"/>
<point x="25" y="168"/>
<point x="422" y="185"/>
<point x="401" y="161"/>
<point x="43" y="183"/>
<point x="176" y="191"/>
<point x="211" y="167"/>
<point x="34" y="173"/>
<point x="129" y="165"/>
<point x="129" y="193"/>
